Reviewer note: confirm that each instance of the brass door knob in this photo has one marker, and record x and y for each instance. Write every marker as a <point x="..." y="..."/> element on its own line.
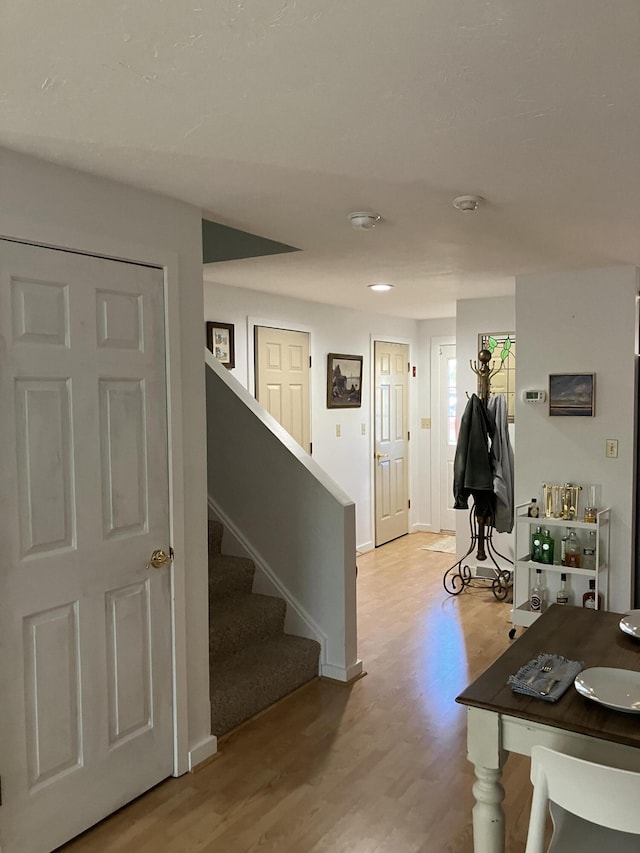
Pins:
<point x="381" y="456"/>
<point x="159" y="558"/>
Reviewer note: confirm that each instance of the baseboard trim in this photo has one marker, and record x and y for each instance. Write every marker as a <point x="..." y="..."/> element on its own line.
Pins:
<point x="341" y="673"/>
<point x="366" y="546"/>
<point x="423" y="528"/>
<point x="203" y="751"/>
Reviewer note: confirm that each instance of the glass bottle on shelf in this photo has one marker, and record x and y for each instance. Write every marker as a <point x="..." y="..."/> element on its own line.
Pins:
<point x="563" y="550"/>
<point x="534" y="509"/>
<point x="536" y="545"/>
<point x="589" y="598"/>
<point x="547" y="548"/>
<point x="538" y="595"/>
<point x="563" y="596"/>
<point x="572" y="555"/>
<point x="589" y="552"/>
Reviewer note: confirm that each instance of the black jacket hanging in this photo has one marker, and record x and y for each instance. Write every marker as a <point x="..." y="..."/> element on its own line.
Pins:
<point x="472" y="465"/>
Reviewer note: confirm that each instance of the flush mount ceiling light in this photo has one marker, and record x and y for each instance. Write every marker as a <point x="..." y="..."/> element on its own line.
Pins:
<point x="467" y="202"/>
<point x="363" y="221"/>
<point x="380" y="287"/>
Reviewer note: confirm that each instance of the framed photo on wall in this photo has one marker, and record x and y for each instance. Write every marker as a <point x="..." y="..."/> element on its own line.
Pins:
<point x="572" y="395"/>
<point x="344" y="381"/>
<point x="220" y="340"/>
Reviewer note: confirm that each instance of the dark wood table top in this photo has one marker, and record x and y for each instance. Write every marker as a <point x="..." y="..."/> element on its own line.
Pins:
<point x="590" y="636"/>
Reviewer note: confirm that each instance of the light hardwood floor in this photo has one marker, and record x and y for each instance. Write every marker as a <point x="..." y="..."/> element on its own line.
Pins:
<point x="377" y="767"/>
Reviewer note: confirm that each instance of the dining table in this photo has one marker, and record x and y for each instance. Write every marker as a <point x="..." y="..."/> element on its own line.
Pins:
<point x="501" y="721"/>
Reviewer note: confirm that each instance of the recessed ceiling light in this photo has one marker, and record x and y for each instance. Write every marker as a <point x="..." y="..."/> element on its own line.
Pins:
<point x="380" y="287"/>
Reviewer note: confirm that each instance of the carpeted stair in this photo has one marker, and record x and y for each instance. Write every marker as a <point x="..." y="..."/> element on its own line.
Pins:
<point x="253" y="662"/>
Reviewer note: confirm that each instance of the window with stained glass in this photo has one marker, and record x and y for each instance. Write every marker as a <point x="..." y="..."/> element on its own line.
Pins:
<point x="503" y="350"/>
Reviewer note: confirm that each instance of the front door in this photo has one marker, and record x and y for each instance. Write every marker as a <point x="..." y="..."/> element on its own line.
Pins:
<point x="282" y="379"/>
<point x="391" y="440"/>
<point x="85" y="627"/>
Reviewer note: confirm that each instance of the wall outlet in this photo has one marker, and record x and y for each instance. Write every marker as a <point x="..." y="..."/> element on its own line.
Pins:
<point x="338" y="430"/>
<point x="425" y="423"/>
<point x="611" y="451"/>
<point x="363" y="429"/>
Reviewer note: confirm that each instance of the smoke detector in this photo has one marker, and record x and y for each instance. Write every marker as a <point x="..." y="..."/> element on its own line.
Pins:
<point x="467" y="202"/>
<point x="363" y="221"/>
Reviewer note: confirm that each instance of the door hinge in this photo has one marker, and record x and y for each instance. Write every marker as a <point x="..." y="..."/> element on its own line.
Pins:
<point x="409" y="504"/>
<point x="309" y="361"/>
<point x="408" y="435"/>
<point x="408" y="367"/>
<point x="310" y="448"/>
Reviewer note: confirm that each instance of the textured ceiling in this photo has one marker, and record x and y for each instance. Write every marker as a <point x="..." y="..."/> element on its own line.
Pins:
<point x="280" y="117"/>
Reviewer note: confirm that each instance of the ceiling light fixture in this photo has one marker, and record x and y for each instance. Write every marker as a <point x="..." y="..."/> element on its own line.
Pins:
<point x="380" y="287"/>
<point x="467" y="202"/>
<point x="363" y="221"/>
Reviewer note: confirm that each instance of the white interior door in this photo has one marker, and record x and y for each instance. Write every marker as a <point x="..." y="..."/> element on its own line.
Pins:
<point x="282" y="379"/>
<point x="85" y="627"/>
<point x="391" y="365"/>
<point x="448" y="433"/>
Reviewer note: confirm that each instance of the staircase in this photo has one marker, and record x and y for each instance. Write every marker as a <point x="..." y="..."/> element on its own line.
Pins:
<point x="253" y="662"/>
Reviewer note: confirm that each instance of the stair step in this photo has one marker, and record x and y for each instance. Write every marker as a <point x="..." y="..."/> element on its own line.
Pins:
<point x="247" y="683"/>
<point x="216" y="529"/>
<point x="229" y="575"/>
<point x="242" y="620"/>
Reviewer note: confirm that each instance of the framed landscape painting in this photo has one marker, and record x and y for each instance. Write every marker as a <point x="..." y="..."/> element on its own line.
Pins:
<point x="572" y="395"/>
<point x="344" y="381"/>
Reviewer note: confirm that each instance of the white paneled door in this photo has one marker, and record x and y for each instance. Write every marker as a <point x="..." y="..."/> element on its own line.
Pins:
<point x="391" y="440"/>
<point x="85" y="628"/>
<point x="282" y="379"/>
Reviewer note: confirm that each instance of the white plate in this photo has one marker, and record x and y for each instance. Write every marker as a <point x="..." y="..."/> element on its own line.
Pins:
<point x="630" y="623"/>
<point x="615" y="688"/>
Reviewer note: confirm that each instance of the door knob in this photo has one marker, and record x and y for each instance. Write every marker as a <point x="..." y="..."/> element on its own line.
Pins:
<point x="380" y="456"/>
<point x="159" y="558"/>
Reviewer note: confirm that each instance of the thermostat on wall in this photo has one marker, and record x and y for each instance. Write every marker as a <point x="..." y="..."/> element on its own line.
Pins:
<point x="534" y="396"/>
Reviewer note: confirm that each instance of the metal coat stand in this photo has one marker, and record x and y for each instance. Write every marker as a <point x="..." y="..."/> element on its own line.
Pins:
<point x="459" y="576"/>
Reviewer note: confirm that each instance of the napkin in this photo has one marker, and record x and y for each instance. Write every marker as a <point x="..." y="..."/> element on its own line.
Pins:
<point x="550" y="686"/>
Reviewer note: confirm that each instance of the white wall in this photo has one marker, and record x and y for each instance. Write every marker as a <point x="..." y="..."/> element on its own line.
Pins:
<point x="59" y="207"/>
<point x="348" y="459"/>
<point x="475" y="317"/>
<point x="581" y="322"/>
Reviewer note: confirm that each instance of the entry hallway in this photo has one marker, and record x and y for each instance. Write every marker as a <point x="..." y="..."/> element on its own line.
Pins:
<point x="377" y="767"/>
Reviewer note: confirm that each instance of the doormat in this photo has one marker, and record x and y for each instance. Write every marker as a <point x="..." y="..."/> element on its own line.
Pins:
<point x="447" y="544"/>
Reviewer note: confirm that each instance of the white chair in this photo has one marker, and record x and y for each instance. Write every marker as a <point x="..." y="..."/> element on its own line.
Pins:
<point x="594" y="808"/>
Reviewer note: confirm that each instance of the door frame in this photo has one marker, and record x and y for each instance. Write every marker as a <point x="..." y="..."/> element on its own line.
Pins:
<point x="51" y="236"/>
<point x="388" y="339"/>
<point x="436" y="417"/>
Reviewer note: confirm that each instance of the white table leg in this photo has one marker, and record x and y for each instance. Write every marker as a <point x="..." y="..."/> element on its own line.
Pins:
<point x="488" y="816"/>
<point x="484" y="750"/>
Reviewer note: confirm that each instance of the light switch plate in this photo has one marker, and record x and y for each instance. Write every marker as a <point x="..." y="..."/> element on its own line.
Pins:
<point x="611" y="451"/>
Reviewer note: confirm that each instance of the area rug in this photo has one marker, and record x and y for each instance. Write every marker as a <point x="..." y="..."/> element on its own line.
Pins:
<point x="443" y="543"/>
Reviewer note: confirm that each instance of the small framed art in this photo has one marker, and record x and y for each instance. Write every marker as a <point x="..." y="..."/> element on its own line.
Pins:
<point x="220" y="340"/>
<point x="572" y="395"/>
<point x="344" y="381"/>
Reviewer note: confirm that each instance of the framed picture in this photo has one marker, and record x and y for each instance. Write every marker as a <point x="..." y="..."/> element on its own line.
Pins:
<point x="572" y="395"/>
<point x="344" y="381"/>
<point x="220" y="342"/>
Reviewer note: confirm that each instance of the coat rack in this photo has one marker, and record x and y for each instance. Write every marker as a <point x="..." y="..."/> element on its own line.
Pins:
<point x="459" y="575"/>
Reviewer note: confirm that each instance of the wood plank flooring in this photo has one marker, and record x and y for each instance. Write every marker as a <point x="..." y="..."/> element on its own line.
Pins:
<point x="376" y="767"/>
